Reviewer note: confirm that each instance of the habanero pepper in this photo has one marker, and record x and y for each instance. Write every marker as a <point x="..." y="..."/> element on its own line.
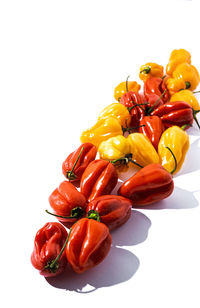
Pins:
<point x="124" y="87"/>
<point x="151" y="70"/>
<point x="152" y="127"/>
<point x="153" y="101"/>
<point x="118" y="111"/>
<point x="186" y="96"/>
<point x="157" y="86"/>
<point x="177" y="57"/>
<point x="189" y="74"/>
<point x="75" y="164"/>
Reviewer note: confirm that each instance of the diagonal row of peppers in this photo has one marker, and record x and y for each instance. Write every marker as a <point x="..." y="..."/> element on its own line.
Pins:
<point x="145" y="130"/>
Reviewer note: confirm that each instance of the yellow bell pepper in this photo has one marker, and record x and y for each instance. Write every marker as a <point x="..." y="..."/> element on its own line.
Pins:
<point x="114" y="148"/>
<point x="118" y="111"/>
<point x="189" y="74"/>
<point x="124" y="87"/>
<point x="186" y="96"/>
<point x="174" y="85"/>
<point x="177" y="57"/>
<point x="143" y="152"/>
<point x="177" y="140"/>
<point x="151" y="70"/>
<point x="102" y="130"/>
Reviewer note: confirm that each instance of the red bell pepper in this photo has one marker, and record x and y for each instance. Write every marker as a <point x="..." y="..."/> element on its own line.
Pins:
<point x="156" y="86"/>
<point x="99" y="178"/>
<point x="47" y="255"/>
<point x="88" y="244"/>
<point x="152" y="127"/>
<point x="112" y="210"/>
<point x="76" y="163"/>
<point x="150" y="184"/>
<point x="66" y="200"/>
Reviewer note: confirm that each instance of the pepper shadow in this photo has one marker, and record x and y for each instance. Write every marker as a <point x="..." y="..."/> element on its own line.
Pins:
<point x="133" y="232"/>
<point x="119" y="266"/>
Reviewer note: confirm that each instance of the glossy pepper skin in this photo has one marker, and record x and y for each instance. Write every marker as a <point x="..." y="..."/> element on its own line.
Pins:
<point x="151" y="70"/>
<point x="113" y="210"/>
<point x="118" y="111"/>
<point x="114" y="148"/>
<point x="175" y="84"/>
<point x="150" y="184"/>
<point x="177" y="57"/>
<point x="174" y="113"/>
<point x="157" y="86"/>
<point x="122" y="88"/>
<point x="48" y="243"/>
<point x="89" y="243"/>
<point x="99" y="178"/>
<point x="186" y="96"/>
<point x="189" y="74"/>
<point x="178" y="141"/>
<point x="152" y="127"/>
<point x="80" y="158"/>
<point x="153" y="101"/>
<point x="102" y="130"/>
<point x="64" y="199"/>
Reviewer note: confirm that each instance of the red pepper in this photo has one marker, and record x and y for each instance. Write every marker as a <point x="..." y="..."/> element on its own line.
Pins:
<point x="66" y="200"/>
<point x="175" y="113"/>
<point x="153" y="101"/>
<point x="113" y="210"/>
<point x="156" y="86"/>
<point x="47" y="255"/>
<point x="76" y="163"/>
<point x="150" y="184"/>
<point x="89" y="243"/>
<point x="152" y="127"/>
<point x="99" y="178"/>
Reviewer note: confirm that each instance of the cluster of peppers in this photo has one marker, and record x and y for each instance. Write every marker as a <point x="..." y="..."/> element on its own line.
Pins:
<point x="146" y="130"/>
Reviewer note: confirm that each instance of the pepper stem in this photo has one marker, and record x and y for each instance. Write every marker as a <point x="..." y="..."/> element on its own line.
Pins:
<point x="174" y="160"/>
<point x="125" y="160"/>
<point x="146" y="70"/>
<point x="194" y="116"/>
<point x="92" y="214"/>
<point x="194" y="92"/>
<point x="70" y="174"/>
<point x="185" y="126"/>
<point x="127" y="83"/>
<point x="128" y="129"/>
<point x="76" y="212"/>
<point x="151" y="108"/>
<point x="187" y="84"/>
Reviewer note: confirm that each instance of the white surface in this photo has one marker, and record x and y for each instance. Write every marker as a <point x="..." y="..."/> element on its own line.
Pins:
<point x="60" y="62"/>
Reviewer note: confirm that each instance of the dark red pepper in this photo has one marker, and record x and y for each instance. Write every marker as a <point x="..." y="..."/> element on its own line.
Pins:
<point x="156" y="86"/>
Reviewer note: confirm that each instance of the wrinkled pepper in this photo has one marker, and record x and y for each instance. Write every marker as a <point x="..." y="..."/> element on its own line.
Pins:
<point x="152" y="127"/>
<point x="189" y="74"/>
<point x="114" y="148"/>
<point x="153" y="101"/>
<point x="157" y="86"/>
<point x="151" y="70"/>
<point x="124" y="87"/>
<point x="175" y="84"/>
<point x="118" y="111"/>
<point x="186" y="96"/>
<point x="88" y="244"/>
<point x="177" y="140"/>
<point x="177" y="57"/>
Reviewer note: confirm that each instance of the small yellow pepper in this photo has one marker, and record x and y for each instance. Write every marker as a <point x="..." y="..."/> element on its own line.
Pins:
<point x="143" y="152"/>
<point x="114" y="148"/>
<point x="177" y="57"/>
<point x="118" y="111"/>
<point x="151" y="70"/>
<point x="186" y="96"/>
<point x="124" y="87"/>
<point x="102" y="130"/>
<point x="177" y="140"/>
<point x="174" y="85"/>
<point x="189" y="74"/>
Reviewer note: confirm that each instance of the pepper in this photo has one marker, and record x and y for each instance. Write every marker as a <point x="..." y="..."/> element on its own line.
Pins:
<point x="102" y="130"/>
<point x="66" y="200"/>
<point x="113" y="210"/>
<point x="186" y="96"/>
<point x="118" y="111"/>
<point x="151" y="70"/>
<point x="89" y="243"/>
<point x="99" y="178"/>
<point x="75" y="164"/>
<point x="124" y="87"/>
<point x="175" y="84"/>
<point x="157" y="86"/>
<point x="47" y="255"/>
<point x="189" y="74"/>
<point x="152" y="127"/>
<point x="177" y="140"/>
<point x="177" y="57"/>
<point x="153" y="101"/>
<point x="114" y="148"/>
<point x="150" y="184"/>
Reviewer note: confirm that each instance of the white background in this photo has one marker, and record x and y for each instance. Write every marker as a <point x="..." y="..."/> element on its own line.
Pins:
<point x="59" y="64"/>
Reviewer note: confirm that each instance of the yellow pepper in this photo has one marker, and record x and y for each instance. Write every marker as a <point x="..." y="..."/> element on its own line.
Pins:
<point x="124" y="87"/>
<point x="177" y="57"/>
<point x="102" y="130"/>
<point x="151" y="70"/>
<point x="177" y="140"/>
<point x="186" y="96"/>
<point x="174" y="85"/>
<point x="189" y="74"/>
<point x="143" y="152"/>
<point x="118" y="111"/>
<point x="114" y="148"/>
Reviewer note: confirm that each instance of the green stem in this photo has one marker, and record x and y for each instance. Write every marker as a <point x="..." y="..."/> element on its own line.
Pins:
<point x="76" y="212"/>
<point x="146" y="70"/>
<point x="194" y="92"/>
<point x="152" y="107"/>
<point x="70" y="175"/>
<point x="185" y="126"/>
<point x="187" y="84"/>
<point x="174" y="160"/>
<point x="125" y="160"/>
<point x="92" y="214"/>
<point x="128" y="129"/>
<point x="127" y="84"/>
<point x="195" y="118"/>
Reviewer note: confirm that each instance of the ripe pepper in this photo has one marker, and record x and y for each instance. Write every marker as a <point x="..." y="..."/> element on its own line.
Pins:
<point x="112" y="210"/>
<point x="124" y="87"/>
<point x="153" y="101"/>
<point x="177" y="140"/>
<point x="175" y="84"/>
<point x="47" y="255"/>
<point x="189" y="74"/>
<point x="152" y="127"/>
<point x="151" y="70"/>
<point x="177" y="57"/>
<point x="102" y="130"/>
<point x="186" y="96"/>
<point x="114" y="148"/>
<point x="75" y="164"/>
<point x="89" y="243"/>
<point x="150" y="184"/>
<point x="157" y="86"/>
<point x="118" y="111"/>
<point x="66" y="200"/>
<point x="99" y="178"/>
